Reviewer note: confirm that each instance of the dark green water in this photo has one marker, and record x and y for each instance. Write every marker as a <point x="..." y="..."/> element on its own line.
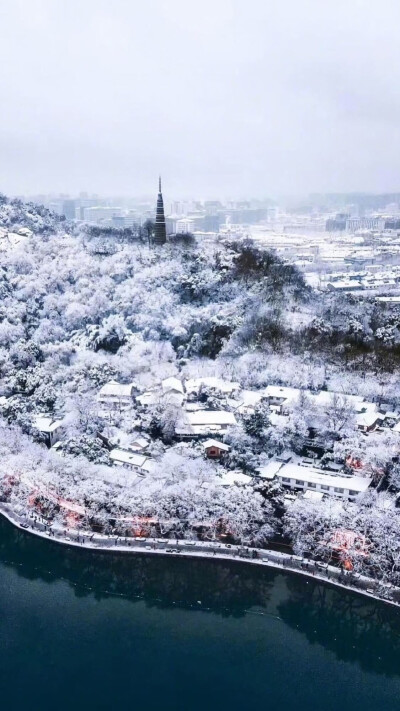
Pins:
<point x="83" y="630"/>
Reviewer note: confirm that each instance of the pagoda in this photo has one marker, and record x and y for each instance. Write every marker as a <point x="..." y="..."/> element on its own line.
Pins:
<point x="160" y="232"/>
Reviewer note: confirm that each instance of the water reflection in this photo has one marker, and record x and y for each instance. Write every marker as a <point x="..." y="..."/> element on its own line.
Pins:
<point x="223" y="588"/>
<point x="351" y="627"/>
<point x="354" y="628"/>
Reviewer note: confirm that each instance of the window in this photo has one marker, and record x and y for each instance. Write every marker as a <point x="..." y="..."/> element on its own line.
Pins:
<point x="300" y="483"/>
<point x="338" y="490"/>
<point x="312" y="485"/>
<point x="285" y="480"/>
<point x="324" y="487"/>
<point x="353" y="493"/>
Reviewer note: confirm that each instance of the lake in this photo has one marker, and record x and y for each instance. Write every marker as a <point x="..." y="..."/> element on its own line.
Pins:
<point x="89" y="630"/>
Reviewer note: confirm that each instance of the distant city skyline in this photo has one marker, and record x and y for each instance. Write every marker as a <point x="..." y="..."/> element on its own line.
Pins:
<point x="310" y="199"/>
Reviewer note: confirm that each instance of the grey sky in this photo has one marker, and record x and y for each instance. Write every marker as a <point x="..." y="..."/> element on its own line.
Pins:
<point x="224" y="97"/>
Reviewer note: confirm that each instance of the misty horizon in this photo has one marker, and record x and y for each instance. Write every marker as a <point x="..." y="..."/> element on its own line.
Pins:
<point x="294" y="199"/>
<point x="282" y="100"/>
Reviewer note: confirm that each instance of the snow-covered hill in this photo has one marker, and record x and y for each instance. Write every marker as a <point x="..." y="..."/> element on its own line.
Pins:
<point x="15" y="214"/>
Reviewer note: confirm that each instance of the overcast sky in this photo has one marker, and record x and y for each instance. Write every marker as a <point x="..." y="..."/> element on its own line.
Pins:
<point x="233" y="98"/>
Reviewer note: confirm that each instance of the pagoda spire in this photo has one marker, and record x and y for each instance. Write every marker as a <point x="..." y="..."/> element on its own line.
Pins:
<point x="160" y="231"/>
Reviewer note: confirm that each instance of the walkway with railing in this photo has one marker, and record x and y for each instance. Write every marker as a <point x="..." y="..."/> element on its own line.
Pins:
<point x="383" y="591"/>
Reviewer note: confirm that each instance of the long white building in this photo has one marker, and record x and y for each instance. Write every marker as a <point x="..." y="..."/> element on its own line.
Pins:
<point x="300" y="478"/>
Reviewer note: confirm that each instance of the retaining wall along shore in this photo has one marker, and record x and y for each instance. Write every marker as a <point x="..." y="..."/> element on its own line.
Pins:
<point x="384" y="592"/>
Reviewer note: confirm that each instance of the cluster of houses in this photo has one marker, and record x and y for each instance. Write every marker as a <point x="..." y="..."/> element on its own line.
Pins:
<point x="367" y="415"/>
<point x="207" y="424"/>
<point x="362" y="280"/>
<point x="198" y="421"/>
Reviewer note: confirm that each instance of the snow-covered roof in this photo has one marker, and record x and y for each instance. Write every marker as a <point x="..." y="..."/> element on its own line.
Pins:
<point x="284" y="393"/>
<point x="124" y="457"/>
<point x="46" y="424"/>
<point x="172" y="384"/>
<point x="139" y="443"/>
<point x="325" y="397"/>
<point x="247" y="401"/>
<point x="205" y="422"/>
<point x="270" y="470"/>
<point x="350" y="284"/>
<point x="148" y="398"/>
<point x="211" y="417"/>
<point x="114" y="389"/>
<point x="368" y="419"/>
<point x="231" y="478"/>
<point x="251" y="397"/>
<point x="214" y="443"/>
<point x="169" y="396"/>
<point x="389" y="415"/>
<point x="318" y="476"/>
<point x="193" y="385"/>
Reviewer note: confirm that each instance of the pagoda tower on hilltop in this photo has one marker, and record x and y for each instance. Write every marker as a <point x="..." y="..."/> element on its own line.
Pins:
<point x="160" y="232"/>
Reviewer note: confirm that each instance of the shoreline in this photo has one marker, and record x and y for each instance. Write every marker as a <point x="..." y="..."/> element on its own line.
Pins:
<point x="283" y="562"/>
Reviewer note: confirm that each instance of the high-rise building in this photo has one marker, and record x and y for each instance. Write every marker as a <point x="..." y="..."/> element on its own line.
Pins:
<point x="68" y="208"/>
<point x="212" y="206"/>
<point x="176" y="208"/>
<point x="211" y="222"/>
<point x="83" y="204"/>
<point x="101" y="213"/>
<point x="160" y="232"/>
<point x="126" y="220"/>
<point x="184" y="225"/>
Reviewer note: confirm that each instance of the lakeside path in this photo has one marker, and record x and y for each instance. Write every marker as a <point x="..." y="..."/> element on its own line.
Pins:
<point x="369" y="587"/>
